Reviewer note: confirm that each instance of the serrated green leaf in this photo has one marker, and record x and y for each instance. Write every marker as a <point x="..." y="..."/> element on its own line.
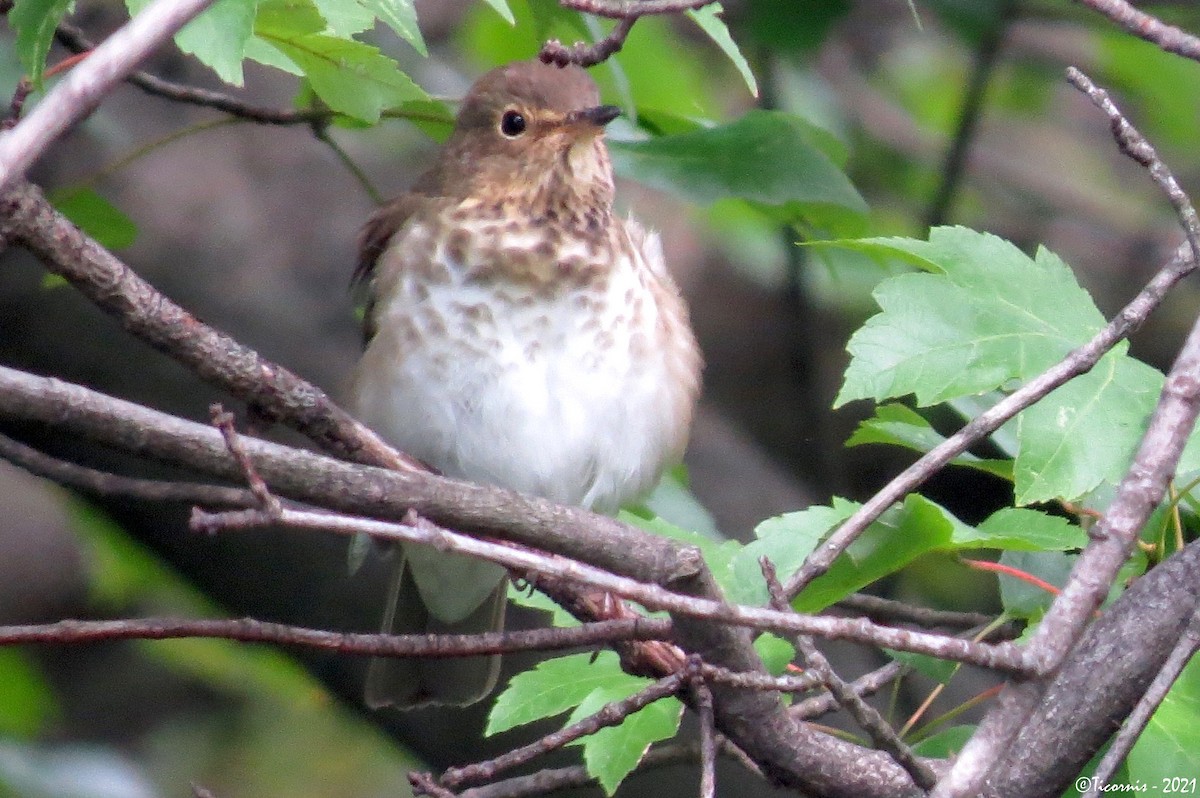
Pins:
<point x="1022" y="599"/>
<point x="26" y="699"/>
<point x="1022" y="529"/>
<point x="945" y="744"/>
<point x="401" y="17"/>
<point x="985" y="315"/>
<point x="903" y="533"/>
<point x="344" y="17"/>
<point x="785" y="540"/>
<point x="1169" y="747"/>
<point x="35" y="22"/>
<point x="267" y="55"/>
<point x="613" y="752"/>
<point x="1085" y="432"/>
<point x="350" y="77"/>
<point x="217" y="37"/>
<point x="899" y="425"/>
<point x="287" y="18"/>
<point x="939" y="670"/>
<point x="501" y="8"/>
<point x="714" y="26"/>
<point x="770" y="158"/>
<point x="96" y="216"/>
<point x="555" y="686"/>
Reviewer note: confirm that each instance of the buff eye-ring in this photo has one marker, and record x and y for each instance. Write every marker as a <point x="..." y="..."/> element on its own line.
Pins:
<point x="512" y="124"/>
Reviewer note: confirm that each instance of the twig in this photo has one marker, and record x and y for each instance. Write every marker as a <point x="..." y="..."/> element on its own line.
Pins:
<point x="1002" y="656"/>
<point x="267" y="502"/>
<point x="249" y="630"/>
<point x="1136" y="146"/>
<point x="26" y="218"/>
<point x="584" y="54"/>
<point x="881" y="609"/>
<point x="102" y="483"/>
<point x="425" y="784"/>
<point x="632" y="9"/>
<point x="704" y="711"/>
<point x="1144" y="26"/>
<point x="611" y="714"/>
<point x="85" y="86"/>
<point x="1136" y="721"/>
<point x="556" y="779"/>
<point x="867" y="717"/>
<point x="74" y="39"/>
<point x="867" y="684"/>
<point x="17" y="106"/>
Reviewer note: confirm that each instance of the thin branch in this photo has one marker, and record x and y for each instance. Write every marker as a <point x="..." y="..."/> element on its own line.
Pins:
<point x="266" y="501"/>
<point x="1136" y="721"/>
<point x="866" y="716"/>
<point x="102" y="483"/>
<point x="86" y="85"/>
<point x="867" y="684"/>
<point x="632" y="9"/>
<point x="611" y="714"/>
<point x="1144" y="26"/>
<point x="1133" y="144"/>
<point x="76" y="41"/>
<point x="708" y="745"/>
<point x="881" y="609"/>
<point x="1002" y="656"/>
<point x="584" y="54"/>
<point x="249" y="630"/>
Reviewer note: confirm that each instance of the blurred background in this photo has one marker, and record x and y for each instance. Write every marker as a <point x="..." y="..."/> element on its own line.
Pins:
<point x="951" y="112"/>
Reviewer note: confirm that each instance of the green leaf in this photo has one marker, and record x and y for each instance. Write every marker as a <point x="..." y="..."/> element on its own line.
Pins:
<point x="985" y="315"/>
<point x="35" y="22"/>
<point x="343" y="18"/>
<point x="903" y="533"/>
<point x="217" y="37"/>
<point x="773" y="159"/>
<point x="1085" y="432"/>
<point x="26" y="699"/>
<point x="501" y="8"/>
<point x="350" y="77"/>
<point x="287" y="18"/>
<point x="714" y="26"/>
<point x="900" y="425"/>
<point x="1169" y="747"/>
<point x="401" y="17"/>
<point x="1022" y="529"/>
<point x="775" y="652"/>
<point x="946" y="743"/>
<point x="1022" y="599"/>
<point x="785" y="540"/>
<point x="613" y="752"/>
<point x="939" y="670"/>
<point x="96" y="216"/>
<point x="555" y="686"/>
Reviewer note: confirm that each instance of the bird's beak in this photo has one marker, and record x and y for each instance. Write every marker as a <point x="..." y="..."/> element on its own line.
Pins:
<point x="595" y="117"/>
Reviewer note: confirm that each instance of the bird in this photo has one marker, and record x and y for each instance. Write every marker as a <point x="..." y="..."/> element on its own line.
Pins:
<point x="519" y="333"/>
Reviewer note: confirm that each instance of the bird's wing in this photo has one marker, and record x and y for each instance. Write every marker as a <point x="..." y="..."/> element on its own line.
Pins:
<point x="373" y="240"/>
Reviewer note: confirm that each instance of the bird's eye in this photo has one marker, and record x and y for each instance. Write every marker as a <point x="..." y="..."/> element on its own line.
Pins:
<point x="512" y="124"/>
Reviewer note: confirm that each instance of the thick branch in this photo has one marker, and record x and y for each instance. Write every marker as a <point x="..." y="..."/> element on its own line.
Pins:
<point x="27" y="219"/>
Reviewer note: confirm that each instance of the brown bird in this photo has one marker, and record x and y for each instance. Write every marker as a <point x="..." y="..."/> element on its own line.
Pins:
<point x="520" y="334"/>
